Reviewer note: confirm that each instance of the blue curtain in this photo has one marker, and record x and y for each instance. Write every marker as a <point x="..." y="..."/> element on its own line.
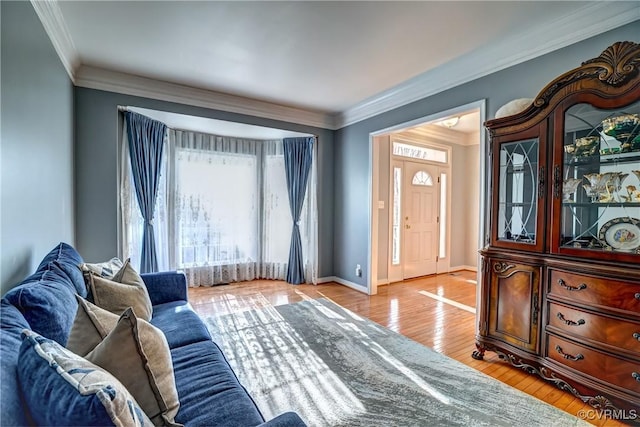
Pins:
<point x="297" y="163"/>
<point x="146" y="143"/>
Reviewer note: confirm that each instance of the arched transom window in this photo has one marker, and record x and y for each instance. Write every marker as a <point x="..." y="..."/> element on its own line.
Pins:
<point x="422" y="178"/>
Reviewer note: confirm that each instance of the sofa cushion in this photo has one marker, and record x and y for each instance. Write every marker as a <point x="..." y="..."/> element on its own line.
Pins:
<point x="127" y="289"/>
<point x="62" y="388"/>
<point x="166" y="286"/>
<point x="69" y="261"/>
<point x="209" y="391"/>
<point x="90" y="326"/>
<point x="137" y="354"/>
<point x="49" y="305"/>
<point x="12" y="323"/>
<point x="180" y="324"/>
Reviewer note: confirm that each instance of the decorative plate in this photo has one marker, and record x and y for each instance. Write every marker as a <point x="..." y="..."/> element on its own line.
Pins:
<point x="622" y="234"/>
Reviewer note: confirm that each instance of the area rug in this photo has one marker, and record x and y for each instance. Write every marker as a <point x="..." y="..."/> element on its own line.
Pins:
<point x="335" y="368"/>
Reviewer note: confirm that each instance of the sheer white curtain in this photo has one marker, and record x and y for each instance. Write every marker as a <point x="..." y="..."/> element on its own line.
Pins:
<point x="223" y="210"/>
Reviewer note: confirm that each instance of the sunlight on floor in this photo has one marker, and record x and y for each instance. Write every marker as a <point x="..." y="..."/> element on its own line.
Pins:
<point x="448" y="301"/>
<point x="304" y="296"/>
<point x="439" y="328"/>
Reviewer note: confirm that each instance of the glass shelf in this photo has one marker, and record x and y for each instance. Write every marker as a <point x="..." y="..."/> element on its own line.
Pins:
<point x="630" y="157"/>
<point x="602" y="205"/>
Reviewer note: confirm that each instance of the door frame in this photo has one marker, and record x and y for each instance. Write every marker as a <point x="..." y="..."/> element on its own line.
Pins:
<point x="374" y="183"/>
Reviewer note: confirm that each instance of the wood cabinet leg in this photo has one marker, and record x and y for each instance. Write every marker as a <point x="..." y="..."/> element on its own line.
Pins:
<point x="479" y="353"/>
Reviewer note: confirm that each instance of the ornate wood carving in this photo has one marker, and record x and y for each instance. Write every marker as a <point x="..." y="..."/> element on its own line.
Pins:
<point x="615" y="66"/>
<point x="501" y="267"/>
<point x="598" y="402"/>
<point x="612" y="73"/>
<point x="618" y="62"/>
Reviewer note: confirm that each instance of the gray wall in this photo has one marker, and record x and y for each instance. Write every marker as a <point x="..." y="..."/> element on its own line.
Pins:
<point x="37" y="145"/>
<point x="97" y="131"/>
<point x="352" y="142"/>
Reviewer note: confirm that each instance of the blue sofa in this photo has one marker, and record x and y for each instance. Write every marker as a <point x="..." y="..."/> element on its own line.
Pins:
<point x="45" y="302"/>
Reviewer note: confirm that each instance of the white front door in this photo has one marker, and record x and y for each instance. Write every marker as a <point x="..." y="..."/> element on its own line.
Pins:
<point x="420" y="219"/>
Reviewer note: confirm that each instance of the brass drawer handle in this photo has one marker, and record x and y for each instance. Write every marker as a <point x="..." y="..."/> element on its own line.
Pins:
<point x="636" y="376"/>
<point x="580" y="287"/>
<point x="568" y="356"/>
<point x="636" y="335"/>
<point x="570" y="322"/>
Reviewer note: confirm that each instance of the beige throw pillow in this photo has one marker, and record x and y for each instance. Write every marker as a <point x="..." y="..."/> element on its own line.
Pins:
<point x="90" y="326"/>
<point x="137" y="354"/>
<point x="127" y="289"/>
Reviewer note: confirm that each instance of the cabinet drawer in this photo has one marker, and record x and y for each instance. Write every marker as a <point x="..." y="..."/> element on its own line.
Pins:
<point x="604" y="329"/>
<point x="614" y="294"/>
<point x="605" y="367"/>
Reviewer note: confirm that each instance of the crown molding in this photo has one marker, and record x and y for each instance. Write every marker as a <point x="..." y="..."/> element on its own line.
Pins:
<point x="129" y="84"/>
<point x="54" y="25"/>
<point x="586" y="22"/>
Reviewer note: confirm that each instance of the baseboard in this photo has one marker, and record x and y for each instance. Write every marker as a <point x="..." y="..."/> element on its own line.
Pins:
<point x="343" y="282"/>
<point x="463" y="267"/>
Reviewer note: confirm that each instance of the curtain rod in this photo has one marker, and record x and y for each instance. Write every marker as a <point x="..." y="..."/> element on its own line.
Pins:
<point x="122" y="108"/>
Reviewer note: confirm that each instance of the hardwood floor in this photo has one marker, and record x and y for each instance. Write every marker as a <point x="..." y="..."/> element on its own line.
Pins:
<point x="436" y="311"/>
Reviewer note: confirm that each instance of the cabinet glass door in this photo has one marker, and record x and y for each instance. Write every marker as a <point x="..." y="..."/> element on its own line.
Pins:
<point x="518" y="191"/>
<point x="600" y="189"/>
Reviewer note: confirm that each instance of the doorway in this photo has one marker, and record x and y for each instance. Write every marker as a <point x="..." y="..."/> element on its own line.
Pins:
<point x="459" y="222"/>
<point x="418" y="234"/>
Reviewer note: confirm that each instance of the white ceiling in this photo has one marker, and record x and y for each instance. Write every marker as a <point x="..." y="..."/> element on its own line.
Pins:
<point x="311" y="56"/>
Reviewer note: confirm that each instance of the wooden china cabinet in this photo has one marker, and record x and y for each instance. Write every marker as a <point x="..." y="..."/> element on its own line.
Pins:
<point x="560" y="281"/>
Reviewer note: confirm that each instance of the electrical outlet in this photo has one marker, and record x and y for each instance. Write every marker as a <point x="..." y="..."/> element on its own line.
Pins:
<point x="358" y="270"/>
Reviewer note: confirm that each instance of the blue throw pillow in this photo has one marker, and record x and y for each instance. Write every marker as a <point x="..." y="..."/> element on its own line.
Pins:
<point x="64" y="389"/>
<point x="69" y="261"/>
<point x="49" y="305"/>
<point x="51" y="272"/>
